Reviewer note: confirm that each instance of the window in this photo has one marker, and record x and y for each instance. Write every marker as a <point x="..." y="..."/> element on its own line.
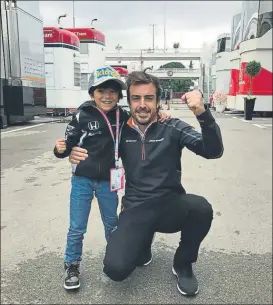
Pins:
<point x="264" y="23"/>
<point x="265" y="19"/>
<point x="83" y="48"/>
<point x="77" y="74"/>
<point x="213" y="59"/>
<point x="221" y="45"/>
<point x="84" y="81"/>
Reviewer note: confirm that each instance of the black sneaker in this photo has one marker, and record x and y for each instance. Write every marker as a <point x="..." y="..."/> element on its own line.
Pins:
<point x="187" y="283"/>
<point x="145" y="259"/>
<point x="72" y="272"/>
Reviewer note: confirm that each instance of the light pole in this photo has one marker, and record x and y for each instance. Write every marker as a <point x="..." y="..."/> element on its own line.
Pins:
<point x="164" y="26"/>
<point x="95" y="19"/>
<point x="153" y="25"/>
<point x="61" y="16"/>
<point x="73" y="7"/>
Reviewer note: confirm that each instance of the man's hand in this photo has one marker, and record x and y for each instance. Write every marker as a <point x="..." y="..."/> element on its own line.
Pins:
<point x="60" y="146"/>
<point x="194" y="101"/>
<point x="77" y="155"/>
<point x="163" y="116"/>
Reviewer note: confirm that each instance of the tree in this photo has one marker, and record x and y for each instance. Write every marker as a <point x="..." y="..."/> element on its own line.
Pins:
<point x="172" y="65"/>
<point x="191" y="65"/>
<point x="177" y="85"/>
<point x="253" y="68"/>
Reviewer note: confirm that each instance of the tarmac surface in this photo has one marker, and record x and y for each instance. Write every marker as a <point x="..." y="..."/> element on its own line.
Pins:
<point x="235" y="260"/>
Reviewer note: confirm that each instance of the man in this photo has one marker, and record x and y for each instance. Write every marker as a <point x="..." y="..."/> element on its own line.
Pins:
<point x="155" y="200"/>
<point x="168" y="98"/>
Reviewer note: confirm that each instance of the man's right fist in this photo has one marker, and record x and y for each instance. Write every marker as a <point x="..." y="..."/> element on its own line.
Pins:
<point x="60" y="146"/>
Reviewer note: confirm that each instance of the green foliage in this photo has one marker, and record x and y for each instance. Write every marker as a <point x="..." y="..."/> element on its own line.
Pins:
<point x="253" y="68"/>
<point x="177" y="85"/>
<point x="173" y="64"/>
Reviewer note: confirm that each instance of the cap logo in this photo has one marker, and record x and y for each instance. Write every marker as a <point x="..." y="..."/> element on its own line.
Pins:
<point x="104" y="72"/>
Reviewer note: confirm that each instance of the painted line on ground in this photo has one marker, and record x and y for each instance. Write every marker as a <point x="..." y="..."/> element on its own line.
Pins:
<point x="19" y="129"/>
<point x="258" y="125"/>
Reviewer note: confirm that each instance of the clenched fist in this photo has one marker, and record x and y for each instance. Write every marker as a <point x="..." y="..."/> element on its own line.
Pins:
<point x="60" y="146"/>
<point x="194" y="101"/>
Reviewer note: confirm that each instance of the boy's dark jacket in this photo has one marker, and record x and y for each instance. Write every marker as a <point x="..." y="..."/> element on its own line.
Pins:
<point x="88" y="129"/>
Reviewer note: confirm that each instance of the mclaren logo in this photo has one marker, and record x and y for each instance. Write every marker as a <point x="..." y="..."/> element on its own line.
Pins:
<point x="94" y="125"/>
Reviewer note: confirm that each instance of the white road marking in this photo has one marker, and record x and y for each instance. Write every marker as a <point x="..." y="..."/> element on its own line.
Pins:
<point x="269" y="125"/>
<point x="19" y="129"/>
<point x="235" y="117"/>
<point x="260" y="126"/>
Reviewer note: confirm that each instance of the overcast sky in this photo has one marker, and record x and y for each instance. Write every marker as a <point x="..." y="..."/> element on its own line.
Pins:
<point x="190" y="23"/>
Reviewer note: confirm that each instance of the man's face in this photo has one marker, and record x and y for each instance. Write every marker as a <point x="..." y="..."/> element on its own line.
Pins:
<point x="143" y="103"/>
<point x="106" y="98"/>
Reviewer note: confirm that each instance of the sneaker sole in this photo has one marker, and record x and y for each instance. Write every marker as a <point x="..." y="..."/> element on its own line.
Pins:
<point x="148" y="263"/>
<point x="179" y="289"/>
<point x="72" y="287"/>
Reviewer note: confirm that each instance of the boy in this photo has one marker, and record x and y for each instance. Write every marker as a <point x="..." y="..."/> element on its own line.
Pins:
<point x="96" y="127"/>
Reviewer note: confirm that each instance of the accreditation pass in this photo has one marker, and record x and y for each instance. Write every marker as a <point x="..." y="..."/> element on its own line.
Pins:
<point x="116" y="179"/>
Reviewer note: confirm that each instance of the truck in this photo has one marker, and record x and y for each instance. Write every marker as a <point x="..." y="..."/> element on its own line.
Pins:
<point x="22" y="81"/>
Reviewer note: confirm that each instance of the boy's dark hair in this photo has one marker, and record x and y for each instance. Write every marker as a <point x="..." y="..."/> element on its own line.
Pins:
<point x="110" y="84"/>
<point x="141" y="77"/>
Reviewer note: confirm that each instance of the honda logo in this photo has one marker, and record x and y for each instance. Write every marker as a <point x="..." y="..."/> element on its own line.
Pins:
<point x="94" y="125"/>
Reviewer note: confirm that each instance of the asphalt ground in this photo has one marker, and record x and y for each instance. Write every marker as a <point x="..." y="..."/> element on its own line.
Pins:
<point x="235" y="260"/>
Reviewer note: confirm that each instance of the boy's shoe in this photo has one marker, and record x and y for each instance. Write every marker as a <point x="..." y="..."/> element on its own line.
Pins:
<point x="187" y="283"/>
<point x="72" y="272"/>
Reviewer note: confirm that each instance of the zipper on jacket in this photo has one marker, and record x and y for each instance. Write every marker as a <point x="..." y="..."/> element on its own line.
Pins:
<point x="142" y="149"/>
<point x="142" y="136"/>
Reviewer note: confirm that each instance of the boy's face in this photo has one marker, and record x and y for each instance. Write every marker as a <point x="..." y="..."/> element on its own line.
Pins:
<point x="106" y="97"/>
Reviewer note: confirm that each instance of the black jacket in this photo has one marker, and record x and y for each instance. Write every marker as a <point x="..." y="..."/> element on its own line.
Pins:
<point x="88" y="129"/>
<point x="153" y="163"/>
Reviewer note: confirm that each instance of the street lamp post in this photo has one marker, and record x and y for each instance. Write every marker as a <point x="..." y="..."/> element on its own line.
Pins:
<point x="59" y="18"/>
<point x="73" y="7"/>
<point x="95" y="19"/>
<point x="153" y="25"/>
<point x="141" y="60"/>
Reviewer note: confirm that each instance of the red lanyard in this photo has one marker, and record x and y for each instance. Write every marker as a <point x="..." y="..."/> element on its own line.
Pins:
<point x="116" y="142"/>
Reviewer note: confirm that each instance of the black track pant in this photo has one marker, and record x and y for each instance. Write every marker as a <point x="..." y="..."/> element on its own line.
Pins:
<point x="190" y="214"/>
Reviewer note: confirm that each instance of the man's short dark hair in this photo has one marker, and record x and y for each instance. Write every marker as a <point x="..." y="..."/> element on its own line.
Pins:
<point x="141" y="77"/>
<point x="110" y="84"/>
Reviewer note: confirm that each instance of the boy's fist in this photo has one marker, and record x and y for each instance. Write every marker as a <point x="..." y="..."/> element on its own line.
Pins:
<point x="60" y="146"/>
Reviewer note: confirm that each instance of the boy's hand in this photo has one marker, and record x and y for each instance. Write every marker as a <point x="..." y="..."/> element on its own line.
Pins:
<point x="60" y="146"/>
<point x="163" y="116"/>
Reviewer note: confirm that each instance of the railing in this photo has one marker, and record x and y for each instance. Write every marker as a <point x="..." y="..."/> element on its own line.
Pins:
<point x="175" y="70"/>
<point x="156" y="51"/>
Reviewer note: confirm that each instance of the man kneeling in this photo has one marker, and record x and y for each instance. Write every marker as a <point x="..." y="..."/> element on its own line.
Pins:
<point x="155" y="200"/>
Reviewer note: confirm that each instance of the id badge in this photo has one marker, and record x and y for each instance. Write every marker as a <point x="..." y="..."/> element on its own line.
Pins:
<point x="116" y="179"/>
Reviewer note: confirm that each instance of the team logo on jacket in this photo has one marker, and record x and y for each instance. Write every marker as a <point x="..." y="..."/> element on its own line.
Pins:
<point x="94" y="125"/>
